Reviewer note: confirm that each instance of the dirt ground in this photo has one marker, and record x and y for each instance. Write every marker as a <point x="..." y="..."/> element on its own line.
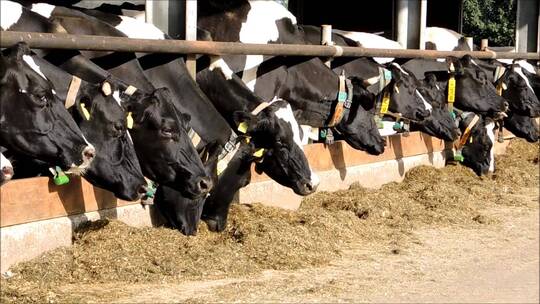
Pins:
<point x="498" y="262"/>
<point x="439" y="236"/>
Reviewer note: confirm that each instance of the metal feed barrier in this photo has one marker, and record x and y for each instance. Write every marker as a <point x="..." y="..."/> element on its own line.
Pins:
<point x="121" y="44"/>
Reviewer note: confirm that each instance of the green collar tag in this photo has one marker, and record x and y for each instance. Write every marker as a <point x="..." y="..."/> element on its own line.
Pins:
<point x="60" y="178"/>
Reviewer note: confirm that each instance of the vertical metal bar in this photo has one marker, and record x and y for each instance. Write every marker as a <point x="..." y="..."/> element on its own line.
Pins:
<point x="149" y="10"/>
<point x="413" y="24"/>
<point x="402" y="12"/>
<point x="484" y="44"/>
<point x="470" y="42"/>
<point x="527" y="25"/>
<point x="423" y="20"/>
<point x="191" y="34"/>
<point x="326" y="39"/>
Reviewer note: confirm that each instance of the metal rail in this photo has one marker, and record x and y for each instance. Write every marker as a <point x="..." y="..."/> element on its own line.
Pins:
<point x="122" y="44"/>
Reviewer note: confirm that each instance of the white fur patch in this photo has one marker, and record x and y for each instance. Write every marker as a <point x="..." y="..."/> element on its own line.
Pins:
<point x="285" y="113"/>
<point x="219" y="63"/>
<point x="4" y="162"/>
<point x="444" y="39"/>
<point x="372" y="41"/>
<point x="491" y="135"/>
<point x="30" y="61"/>
<point x="426" y="104"/>
<point x="400" y="68"/>
<point x="43" y="9"/>
<point x="315" y="180"/>
<point x="134" y="28"/>
<point x="388" y="128"/>
<point x="10" y="13"/>
<point x="116" y="97"/>
<point x="260" y="27"/>
<point x="527" y="66"/>
<point x="520" y="73"/>
<point x="249" y="76"/>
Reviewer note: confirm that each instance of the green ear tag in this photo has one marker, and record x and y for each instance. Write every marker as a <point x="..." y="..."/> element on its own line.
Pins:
<point x="453" y="114"/>
<point x="323" y="133"/>
<point x="387" y="74"/>
<point x="342" y="96"/>
<point x="60" y="178"/>
<point x="459" y="157"/>
<point x="243" y="127"/>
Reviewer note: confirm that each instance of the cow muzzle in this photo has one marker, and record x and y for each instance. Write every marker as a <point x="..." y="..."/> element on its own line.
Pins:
<point x="7" y="173"/>
<point x="88" y="154"/>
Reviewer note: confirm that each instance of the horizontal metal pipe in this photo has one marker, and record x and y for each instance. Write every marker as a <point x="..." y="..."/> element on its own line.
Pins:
<point x="121" y="44"/>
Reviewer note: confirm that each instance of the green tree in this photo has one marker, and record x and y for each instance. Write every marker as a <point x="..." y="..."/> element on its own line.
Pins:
<point x="491" y="19"/>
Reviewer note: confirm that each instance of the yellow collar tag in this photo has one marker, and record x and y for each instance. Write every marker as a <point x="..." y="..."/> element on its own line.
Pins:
<point x="499" y="89"/>
<point x="85" y="112"/>
<point x="129" y="121"/>
<point x="451" y="89"/>
<point x="259" y="153"/>
<point x="385" y="103"/>
<point x="242" y="127"/>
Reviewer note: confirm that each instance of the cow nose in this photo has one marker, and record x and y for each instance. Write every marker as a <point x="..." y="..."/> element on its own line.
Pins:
<point x="142" y="189"/>
<point x="89" y="153"/>
<point x="309" y="187"/>
<point x="7" y="172"/>
<point x="205" y="184"/>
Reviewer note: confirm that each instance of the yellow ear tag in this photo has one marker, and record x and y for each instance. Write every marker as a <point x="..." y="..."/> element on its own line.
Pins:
<point x="385" y="102"/>
<point x="242" y="127"/>
<point x="451" y="89"/>
<point x="106" y="88"/>
<point x="129" y="121"/>
<point x="470" y="140"/>
<point x="85" y="112"/>
<point x="259" y="153"/>
<point x="248" y="139"/>
<point x="221" y="166"/>
<point x="504" y="86"/>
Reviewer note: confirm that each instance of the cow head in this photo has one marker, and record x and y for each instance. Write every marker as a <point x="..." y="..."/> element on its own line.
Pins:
<point x="33" y="121"/>
<point x="275" y="129"/>
<point x="103" y="121"/>
<point x="474" y="90"/>
<point x="162" y="144"/>
<point x="478" y="150"/>
<point x="517" y="89"/>
<point x="441" y="123"/>
<point x="357" y="126"/>
<point x="522" y="126"/>
<point x="404" y="95"/>
<point x="6" y="169"/>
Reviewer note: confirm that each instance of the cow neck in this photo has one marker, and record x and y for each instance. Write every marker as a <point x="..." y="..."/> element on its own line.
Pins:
<point x="466" y="134"/>
<point x="188" y="98"/>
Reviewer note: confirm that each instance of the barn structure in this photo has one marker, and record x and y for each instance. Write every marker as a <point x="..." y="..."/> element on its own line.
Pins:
<point x="37" y="215"/>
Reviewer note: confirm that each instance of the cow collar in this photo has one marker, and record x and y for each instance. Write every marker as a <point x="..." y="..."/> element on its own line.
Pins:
<point x="231" y="147"/>
<point x="344" y="100"/>
<point x="73" y="90"/>
<point x="458" y="156"/>
<point x="499" y="79"/>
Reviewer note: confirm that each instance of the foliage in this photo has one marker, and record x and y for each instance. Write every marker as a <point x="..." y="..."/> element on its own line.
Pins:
<point x="491" y="19"/>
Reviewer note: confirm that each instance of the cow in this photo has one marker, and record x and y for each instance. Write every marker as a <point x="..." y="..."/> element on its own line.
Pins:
<point x="438" y="123"/>
<point x="159" y="133"/>
<point x="307" y="84"/>
<point x="6" y="169"/>
<point x="101" y="118"/>
<point x="290" y="168"/>
<point x="33" y="122"/>
<point x="522" y="126"/>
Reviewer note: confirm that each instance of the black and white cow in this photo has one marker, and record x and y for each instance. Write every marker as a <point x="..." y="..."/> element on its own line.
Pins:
<point x="409" y="95"/>
<point x="6" y="169"/>
<point x="274" y="128"/>
<point x="103" y="121"/>
<point x="522" y="126"/>
<point x="33" y="122"/>
<point x="310" y="86"/>
<point x="159" y="133"/>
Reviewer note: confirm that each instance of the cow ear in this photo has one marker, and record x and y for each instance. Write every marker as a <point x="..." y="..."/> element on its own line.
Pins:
<point x="244" y="120"/>
<point x="19" y="50"/>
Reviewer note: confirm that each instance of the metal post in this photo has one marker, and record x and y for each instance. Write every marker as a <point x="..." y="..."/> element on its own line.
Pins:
<point x="191" y="34"/>
<point x="402" y="22"/>
<point x="527" y="25"/>
<point x="326" y="39"/>
<point x="484" y="44"/>
<point x="423" y="18"/>
<point x="414" y="24"/>
<point x="470" y="43"/>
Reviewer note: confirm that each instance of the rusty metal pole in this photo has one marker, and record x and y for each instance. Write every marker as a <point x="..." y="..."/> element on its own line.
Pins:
<point x="122" y="44"/>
